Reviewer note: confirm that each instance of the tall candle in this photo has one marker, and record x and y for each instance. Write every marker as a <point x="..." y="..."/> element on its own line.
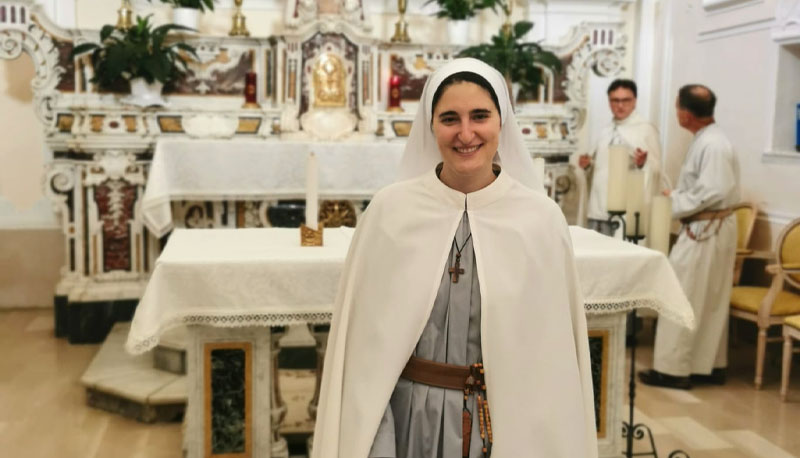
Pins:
<point x="660" y="223"/>
<point x="312" y="184"/>
<point x="634" y="203"/>
<point x="617" y="171"/>
<point x="538" y="169"/>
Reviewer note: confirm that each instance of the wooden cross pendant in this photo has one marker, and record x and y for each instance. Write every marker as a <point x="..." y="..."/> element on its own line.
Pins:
<point x="456" y="270"/>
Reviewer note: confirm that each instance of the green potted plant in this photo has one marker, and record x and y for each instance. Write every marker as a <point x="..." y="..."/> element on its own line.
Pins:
<point x="458" y="12"/>
<point x="187" y="12"/>
<point x="520" y="62"/>
<point x="139" y="55"/>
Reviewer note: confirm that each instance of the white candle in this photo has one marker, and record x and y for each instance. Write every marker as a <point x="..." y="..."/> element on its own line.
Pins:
<point x="312" y="183"/>
<point x="617" y="171"/>
<point x="538" y="169"/>
<point x="660" y="223"/>
<point x="635" y="204"/>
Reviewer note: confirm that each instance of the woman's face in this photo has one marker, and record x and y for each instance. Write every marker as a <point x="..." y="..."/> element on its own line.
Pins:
<point x="467" y="129"/>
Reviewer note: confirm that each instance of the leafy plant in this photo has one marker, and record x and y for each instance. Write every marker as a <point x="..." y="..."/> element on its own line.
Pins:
<point x="201" y="5"/>
<point x="515" y="59"/>
<point x="139" y="52"/>
<point x="459" y="10"/>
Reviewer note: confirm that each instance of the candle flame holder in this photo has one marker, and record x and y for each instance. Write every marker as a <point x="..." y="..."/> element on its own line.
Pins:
<point x="311" y="237"/>
<point x="631" y="430"/>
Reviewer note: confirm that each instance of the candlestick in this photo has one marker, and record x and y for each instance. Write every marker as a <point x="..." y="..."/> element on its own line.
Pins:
<point x="617" y="172"/>
<point x="250" y="91"/>
<point x="508" y="27"/>
<point x="239" y="28"/>
<point x="401" y="27"/>
<point x="635" y="203"/>
<point x="312" y="183"/>
<point x="125" y="15"/>
<point x="394" y="93"/>
<point x="660" y="223"/>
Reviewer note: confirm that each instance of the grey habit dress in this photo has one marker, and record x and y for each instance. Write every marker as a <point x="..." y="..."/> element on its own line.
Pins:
<point x="422" y="421"/>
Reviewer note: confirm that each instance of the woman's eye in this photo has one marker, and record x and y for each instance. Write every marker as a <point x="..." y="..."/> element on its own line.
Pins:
<point x="449" y="120"/>
<point x="480" y="116"/>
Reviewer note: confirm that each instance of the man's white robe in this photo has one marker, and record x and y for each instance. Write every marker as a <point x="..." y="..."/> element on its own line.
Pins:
<point x="533" y="326"/>
<point x="635" y="132"/>
<point x="709" y="180"/>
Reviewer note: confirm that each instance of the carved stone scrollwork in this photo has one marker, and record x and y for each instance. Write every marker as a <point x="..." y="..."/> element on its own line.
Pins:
<point x="60" y="181"/>
<point x="787" y="21"/>
<point x="24" y="35"/>
<point x="331" y="15"/>
<point x="115" y="165"/>
<point x="601" y="49"/>
<point x="209" y="72"/>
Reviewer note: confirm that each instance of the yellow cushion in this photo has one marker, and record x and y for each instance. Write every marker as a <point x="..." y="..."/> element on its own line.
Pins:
<point x="748" y="298"/>
<point x="793" y="321"/>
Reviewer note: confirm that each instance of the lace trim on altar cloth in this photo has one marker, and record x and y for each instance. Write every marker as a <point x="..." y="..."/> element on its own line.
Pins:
<point x="617" y="305"/>
<point x="595" y="307"/>
<point x="140" y="346"/>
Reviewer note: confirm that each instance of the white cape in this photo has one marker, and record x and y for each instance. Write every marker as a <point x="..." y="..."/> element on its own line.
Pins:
<point x="533" y="325"/>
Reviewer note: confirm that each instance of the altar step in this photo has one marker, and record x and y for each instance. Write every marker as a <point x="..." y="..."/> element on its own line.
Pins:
<point x="153" y="387"/>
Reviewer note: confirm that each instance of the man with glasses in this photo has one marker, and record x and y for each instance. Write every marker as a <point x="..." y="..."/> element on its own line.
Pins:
<point x="627" y="128"/>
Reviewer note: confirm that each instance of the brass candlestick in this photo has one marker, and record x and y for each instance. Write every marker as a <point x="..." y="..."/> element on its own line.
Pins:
<point x="239" y="28"/>
<point x="125" y="15"/>
<point x="401" y="27"/>
<point x="310" y="237"/>
<point x="508" y="7"/>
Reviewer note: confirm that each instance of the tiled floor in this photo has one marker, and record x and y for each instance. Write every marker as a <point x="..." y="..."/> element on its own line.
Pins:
<point x="43" y="411"/>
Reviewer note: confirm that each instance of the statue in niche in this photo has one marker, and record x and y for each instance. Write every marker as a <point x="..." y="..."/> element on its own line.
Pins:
<point x="329" y="81"/>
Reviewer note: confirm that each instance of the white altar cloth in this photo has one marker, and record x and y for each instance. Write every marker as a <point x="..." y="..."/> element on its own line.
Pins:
<point x="249" y="170"/>
<point x="263" y="277"/>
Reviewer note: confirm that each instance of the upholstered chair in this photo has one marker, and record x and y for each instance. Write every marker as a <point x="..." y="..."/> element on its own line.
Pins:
<point x="791" y="331"/>
<point x="746" y="213"/>
<point x="767" y="307"/>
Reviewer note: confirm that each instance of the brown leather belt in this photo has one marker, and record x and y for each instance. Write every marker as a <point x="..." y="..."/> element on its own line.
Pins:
<point x="442" y="375"/>
<point x="470" y="380"/>
<point x="708" y="215"/>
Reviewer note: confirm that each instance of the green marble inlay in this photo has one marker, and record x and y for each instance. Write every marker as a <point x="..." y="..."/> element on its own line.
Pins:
<point x="596" y="356"/>
<point x="227" y="401"/>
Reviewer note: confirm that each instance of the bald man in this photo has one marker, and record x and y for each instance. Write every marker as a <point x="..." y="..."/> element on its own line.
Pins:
<point x="705" y="252"/>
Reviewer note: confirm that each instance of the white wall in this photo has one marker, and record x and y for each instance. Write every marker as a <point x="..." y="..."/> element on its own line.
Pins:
<point x="730" y="49"/>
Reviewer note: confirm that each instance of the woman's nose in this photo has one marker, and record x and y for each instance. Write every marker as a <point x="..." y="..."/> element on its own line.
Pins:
<point x="466" y="134"/>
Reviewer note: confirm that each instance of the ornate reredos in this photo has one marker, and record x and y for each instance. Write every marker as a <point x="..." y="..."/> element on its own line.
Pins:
<point x="331" y="15"/>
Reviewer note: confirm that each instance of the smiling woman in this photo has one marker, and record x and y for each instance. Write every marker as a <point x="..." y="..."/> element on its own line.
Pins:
<point x="466" y="123"/>
<point x="458" y="289"/>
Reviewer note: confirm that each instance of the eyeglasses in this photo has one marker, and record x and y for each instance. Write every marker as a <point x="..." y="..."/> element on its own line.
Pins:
<point x="624" y="101"/>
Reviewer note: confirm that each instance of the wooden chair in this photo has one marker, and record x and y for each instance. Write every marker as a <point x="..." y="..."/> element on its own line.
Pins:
<point x="745" y="221"/>
<point x="767" y="307"/>
<point x="791" y="330"/>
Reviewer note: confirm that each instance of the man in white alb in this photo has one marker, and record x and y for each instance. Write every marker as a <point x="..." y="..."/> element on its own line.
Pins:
<point x="704" y="254"/>
<point x="627" y="128"/>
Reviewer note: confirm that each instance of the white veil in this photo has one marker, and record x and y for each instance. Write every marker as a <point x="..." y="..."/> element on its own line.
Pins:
<point x="422" y="153"/>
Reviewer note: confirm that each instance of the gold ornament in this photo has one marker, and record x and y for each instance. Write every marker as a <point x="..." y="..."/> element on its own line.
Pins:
<point x="239" y="28"/>
<point x="336" y="213"/>
<point x="310" y="237"/>
<point x="401" y="27"/>
<point x="125" y="15"/>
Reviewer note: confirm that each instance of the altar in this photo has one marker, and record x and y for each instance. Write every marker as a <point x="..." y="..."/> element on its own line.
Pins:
<point x="232" y="286"/>
<point x="320" y="75"/>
